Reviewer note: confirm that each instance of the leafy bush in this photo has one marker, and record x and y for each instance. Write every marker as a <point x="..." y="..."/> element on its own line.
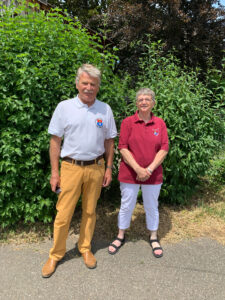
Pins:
<point x="39" y="55"/>
<point x="216" y="171"/>
<point x="195" y="129"/>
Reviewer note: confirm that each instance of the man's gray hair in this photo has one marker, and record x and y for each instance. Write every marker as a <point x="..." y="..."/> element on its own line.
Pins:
<point x="90" y="70"/>
<point x="145" y="91"/>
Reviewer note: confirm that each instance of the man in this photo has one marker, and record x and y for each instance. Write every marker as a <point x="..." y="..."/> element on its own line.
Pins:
<point x="88" y="128"/>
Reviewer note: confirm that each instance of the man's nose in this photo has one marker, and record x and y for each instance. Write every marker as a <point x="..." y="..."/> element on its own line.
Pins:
<point x="89" y="86"/>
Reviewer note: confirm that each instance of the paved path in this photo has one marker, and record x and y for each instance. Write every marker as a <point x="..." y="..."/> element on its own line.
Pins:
<point x="191" y="270"/>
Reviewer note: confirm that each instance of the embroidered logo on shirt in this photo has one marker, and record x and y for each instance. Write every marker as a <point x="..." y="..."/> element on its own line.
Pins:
<point x="156" y="131"/>
<point x="99" y="123"/>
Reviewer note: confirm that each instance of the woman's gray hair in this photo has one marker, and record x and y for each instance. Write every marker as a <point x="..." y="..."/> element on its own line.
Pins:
<point x="145" y="91"/>
<point x="90" y="70"/>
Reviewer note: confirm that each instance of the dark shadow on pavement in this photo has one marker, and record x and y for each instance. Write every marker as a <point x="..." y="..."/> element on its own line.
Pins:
<point x="106" y="227"/>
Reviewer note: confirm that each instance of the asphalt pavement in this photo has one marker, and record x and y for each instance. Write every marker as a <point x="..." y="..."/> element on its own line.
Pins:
<point x="192" y="270"/>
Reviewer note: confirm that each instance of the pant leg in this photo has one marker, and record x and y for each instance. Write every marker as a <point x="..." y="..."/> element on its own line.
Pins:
<point x="129" y="193"/>
<point x="150" y="194"/>
<point x="93" y="179"/>
<point x="71" y="180"/>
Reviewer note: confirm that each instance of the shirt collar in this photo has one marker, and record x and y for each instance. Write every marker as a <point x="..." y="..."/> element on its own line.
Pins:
<point x="137" y="119"/>
<point x="80" y="104"/>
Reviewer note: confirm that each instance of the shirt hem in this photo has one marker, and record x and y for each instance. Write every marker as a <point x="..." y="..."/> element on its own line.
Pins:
<point x="140" y="182"/>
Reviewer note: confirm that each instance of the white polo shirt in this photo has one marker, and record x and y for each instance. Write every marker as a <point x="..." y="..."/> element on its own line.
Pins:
<point x="84" y="128"/>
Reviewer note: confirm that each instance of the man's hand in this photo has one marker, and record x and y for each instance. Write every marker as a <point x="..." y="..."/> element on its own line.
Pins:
<point x="109" y="152"/>
<point x="107" y="177"/>
<point x="55" y="182"/>
<point x="54" y="152"/>
<point x="142" y="174"/>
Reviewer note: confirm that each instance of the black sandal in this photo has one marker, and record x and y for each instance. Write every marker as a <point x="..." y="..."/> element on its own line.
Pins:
<point x="156" y="248"/>
<point x="122" y="241"/>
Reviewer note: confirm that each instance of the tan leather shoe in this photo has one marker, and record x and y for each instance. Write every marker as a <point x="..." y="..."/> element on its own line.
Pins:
<point x="89" y="260"/>
<point x="49" y="268"/>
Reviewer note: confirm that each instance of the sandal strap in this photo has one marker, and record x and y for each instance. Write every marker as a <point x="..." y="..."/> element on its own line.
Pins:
<point x="153" y="241"/>
<point x="119" y="239"/>
<point x="157" y="248"/>
<point x="114" y="246"/>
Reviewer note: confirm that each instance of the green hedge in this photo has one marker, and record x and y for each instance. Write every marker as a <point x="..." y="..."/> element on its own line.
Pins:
<point x="39" y="56"/>
<point x="196" y="129"/>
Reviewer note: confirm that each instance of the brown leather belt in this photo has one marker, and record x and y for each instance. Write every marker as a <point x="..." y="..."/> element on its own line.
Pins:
<point x="82" y="162"/>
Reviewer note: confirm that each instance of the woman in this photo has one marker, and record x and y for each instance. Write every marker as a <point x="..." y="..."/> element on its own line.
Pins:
<point x="143" y="145"/>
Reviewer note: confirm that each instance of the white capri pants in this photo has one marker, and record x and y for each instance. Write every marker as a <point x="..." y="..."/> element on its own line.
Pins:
<point x="150" y="194"/>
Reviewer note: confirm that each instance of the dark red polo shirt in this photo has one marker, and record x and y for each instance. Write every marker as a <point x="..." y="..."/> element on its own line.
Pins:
<point x="143" y="140"/>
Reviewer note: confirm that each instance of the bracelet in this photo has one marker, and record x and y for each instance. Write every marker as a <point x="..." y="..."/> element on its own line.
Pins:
<point x="150" y="171"/>
<point x="109" y="167"/>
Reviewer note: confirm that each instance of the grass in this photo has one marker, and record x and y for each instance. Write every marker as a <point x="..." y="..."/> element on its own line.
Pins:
<point x="203" y="217"/>
<point x="22" y="234"/>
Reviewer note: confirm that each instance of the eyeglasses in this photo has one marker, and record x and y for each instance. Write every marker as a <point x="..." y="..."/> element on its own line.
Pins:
<point x="144" y="99"/>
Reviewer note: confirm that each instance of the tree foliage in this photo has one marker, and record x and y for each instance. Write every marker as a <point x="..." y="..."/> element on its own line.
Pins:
<point x="83" y="9"/>
<point x="194" y="28"/>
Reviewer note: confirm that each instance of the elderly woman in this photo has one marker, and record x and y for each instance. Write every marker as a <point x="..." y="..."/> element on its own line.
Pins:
<point x="143" y="145"/>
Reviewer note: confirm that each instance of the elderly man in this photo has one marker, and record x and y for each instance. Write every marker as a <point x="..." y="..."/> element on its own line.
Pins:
<point x="88" y="130"/>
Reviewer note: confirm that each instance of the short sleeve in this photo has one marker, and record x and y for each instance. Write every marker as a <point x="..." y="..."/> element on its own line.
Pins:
<point x="56" y="124"/>
<point x="165" y="139"/>
<point x="111" y="128"/>
<point x="124" y="134"/>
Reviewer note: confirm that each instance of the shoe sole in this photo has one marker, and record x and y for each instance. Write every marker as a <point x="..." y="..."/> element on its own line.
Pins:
<point x="47" y="276"/>
<point x="91" y="267"/>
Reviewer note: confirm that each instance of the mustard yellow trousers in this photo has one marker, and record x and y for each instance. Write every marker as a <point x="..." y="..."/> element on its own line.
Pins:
<point x="75" y="181"/>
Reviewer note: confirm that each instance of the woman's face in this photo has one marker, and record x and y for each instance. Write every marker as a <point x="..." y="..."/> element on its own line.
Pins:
<point x="145" y="103"/>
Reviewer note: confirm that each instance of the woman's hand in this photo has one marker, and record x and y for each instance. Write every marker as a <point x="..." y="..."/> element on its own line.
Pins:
<point x="142" y="174"/>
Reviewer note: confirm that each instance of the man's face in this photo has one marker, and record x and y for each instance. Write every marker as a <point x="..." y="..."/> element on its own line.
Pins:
<point x="88" y="88"/>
